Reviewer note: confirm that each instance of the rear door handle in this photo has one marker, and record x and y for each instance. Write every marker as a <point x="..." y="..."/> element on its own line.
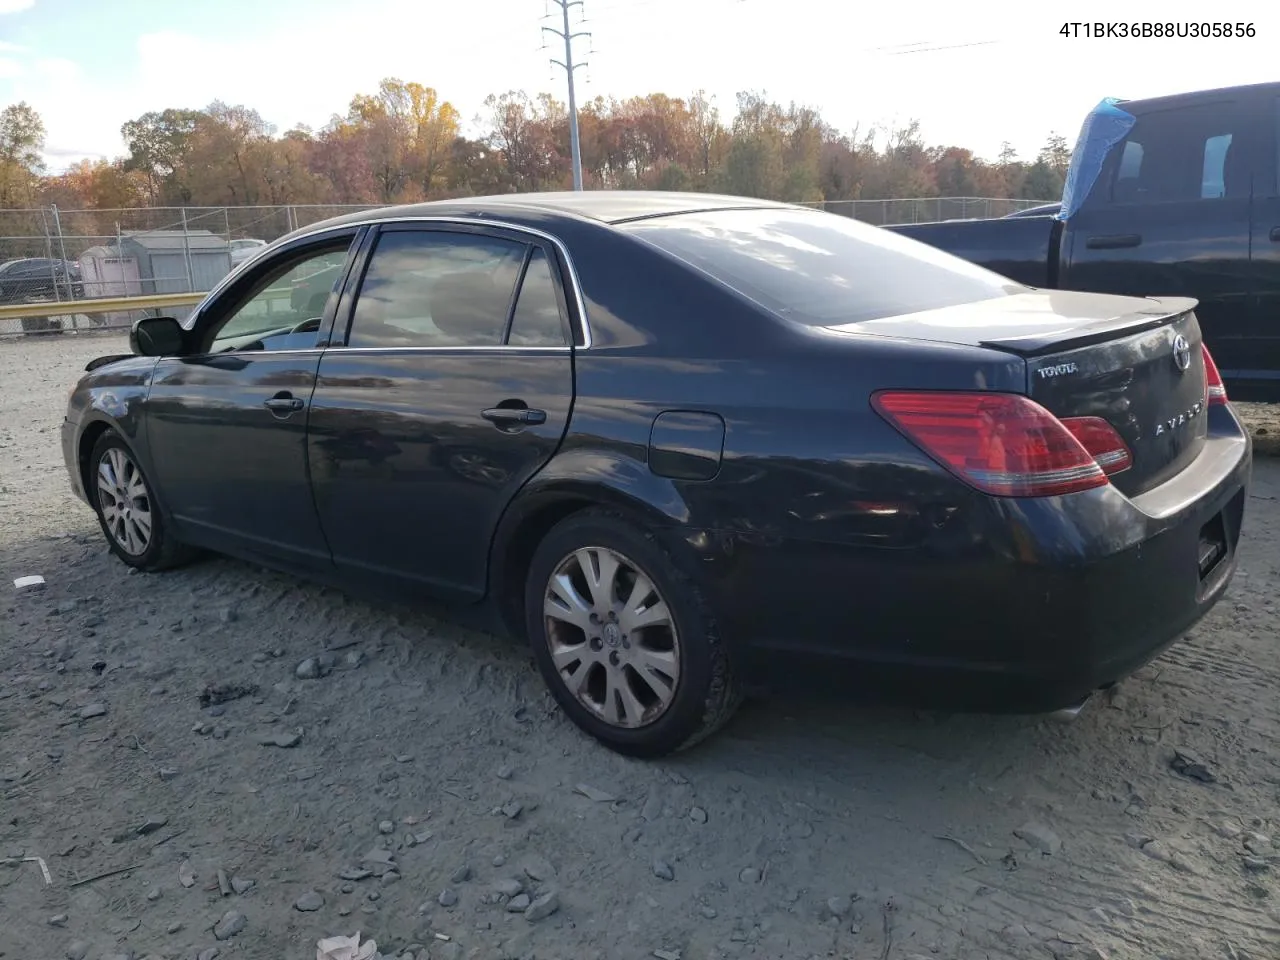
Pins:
<point x="1275" y="234"/>
<point x="504" y="416"/>
<point x="284" y="403"/>
<point x="1116" y="242"/>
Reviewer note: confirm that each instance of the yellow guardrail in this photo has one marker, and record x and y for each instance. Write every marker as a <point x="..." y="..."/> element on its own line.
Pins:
<point x="20" y="311"/>
<point x="150" y="301"/>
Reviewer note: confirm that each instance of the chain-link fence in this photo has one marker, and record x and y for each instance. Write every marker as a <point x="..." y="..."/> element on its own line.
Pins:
<point x="49" y="255"/>
<point x="67" y="234"/>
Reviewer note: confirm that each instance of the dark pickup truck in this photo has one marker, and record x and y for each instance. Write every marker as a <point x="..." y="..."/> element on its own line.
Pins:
<point x="1172" y="196"/>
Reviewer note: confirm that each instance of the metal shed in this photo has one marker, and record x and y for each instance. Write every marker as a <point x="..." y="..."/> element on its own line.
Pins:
<point x="106" y="273"/>
<point x="176" y="261"/>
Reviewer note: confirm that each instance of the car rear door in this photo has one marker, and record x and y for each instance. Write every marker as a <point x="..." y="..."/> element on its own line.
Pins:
<point x="447" y="385"/>
<point x="226" y="425"/>
<point x="1170" y="216"/>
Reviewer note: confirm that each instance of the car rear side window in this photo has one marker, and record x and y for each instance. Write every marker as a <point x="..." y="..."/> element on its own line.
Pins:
<point x="536" y="322"/>
<point x="820" y="269"/>
<point x="436" y="289"/>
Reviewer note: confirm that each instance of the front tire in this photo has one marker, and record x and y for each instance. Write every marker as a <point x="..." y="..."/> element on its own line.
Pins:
<point x="131" y="520"/>
<point x="624" y="639"/>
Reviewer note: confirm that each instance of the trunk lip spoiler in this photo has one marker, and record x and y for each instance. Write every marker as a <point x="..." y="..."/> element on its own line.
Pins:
<point x="1166" y="310"/>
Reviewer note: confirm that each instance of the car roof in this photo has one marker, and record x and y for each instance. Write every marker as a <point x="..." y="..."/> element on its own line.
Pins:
<point x="604" y="206"/>
<point x="26" y="262"/>
<point x="1197" y="96"/>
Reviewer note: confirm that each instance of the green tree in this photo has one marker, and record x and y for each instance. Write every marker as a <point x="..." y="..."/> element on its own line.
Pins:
<point x="159" y="143"/>
<point x="1043" y="182"/>
<point x="1056" y="154"/>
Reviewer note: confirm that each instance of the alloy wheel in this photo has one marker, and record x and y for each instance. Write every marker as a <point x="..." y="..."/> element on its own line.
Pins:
<point x="612" y="637"/>
<point x="125" y="501"/>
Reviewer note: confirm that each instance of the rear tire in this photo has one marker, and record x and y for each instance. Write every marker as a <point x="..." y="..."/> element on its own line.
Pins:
<point x="637" y="662"/>
<point x="130" y="517"/>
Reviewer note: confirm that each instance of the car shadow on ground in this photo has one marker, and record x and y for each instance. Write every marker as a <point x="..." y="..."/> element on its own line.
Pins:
<point x="214" y="591"/>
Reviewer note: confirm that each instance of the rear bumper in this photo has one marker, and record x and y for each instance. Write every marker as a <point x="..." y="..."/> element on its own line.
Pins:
<point x="1031" y="610"/>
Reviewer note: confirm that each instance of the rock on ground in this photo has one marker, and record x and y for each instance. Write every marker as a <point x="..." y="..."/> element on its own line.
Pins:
<point x="838" y="808"/>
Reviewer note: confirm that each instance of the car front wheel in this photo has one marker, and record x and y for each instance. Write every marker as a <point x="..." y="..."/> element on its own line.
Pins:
<point x="624" y="639"/>
<point x="127" y="510"/>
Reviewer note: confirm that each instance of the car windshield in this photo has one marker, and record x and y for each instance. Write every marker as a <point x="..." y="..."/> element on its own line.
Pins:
<point x="820" y="269"/>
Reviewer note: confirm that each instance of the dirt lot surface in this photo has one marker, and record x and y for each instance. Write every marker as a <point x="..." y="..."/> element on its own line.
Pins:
<point x="420" y="783"/>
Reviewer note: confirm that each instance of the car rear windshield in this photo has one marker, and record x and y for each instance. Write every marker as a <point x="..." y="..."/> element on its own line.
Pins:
<point x="820" y="269"/>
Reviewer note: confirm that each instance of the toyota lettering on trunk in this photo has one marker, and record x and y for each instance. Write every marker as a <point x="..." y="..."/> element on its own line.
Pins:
<point x="1057" y="370"/>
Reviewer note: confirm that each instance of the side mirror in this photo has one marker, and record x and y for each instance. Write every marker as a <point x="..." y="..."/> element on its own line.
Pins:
<point x="157" y="337"/>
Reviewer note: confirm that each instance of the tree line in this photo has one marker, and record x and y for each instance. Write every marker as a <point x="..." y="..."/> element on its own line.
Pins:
<point x="404" y="143"/>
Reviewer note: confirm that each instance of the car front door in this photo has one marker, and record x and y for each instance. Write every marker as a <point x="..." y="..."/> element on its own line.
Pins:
<point x="226" y="422"/>
<point x="1170" y="216"/>
<point x="448" y="384"/>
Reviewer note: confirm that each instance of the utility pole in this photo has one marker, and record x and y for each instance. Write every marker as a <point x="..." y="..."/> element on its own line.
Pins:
<point x="569" y="66"/>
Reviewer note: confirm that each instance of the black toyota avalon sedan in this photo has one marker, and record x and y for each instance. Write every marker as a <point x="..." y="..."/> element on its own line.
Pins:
<point x="688" y="446"/>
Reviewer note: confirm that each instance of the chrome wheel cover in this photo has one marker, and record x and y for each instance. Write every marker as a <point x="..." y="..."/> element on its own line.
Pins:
<point x="125" y="502"/>
<point x="612" y="637"/>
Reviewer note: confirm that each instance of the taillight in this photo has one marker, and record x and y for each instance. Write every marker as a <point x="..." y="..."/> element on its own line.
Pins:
<point x="1004" y="444"/>
<point x="1108" y="450"/>
<point x="1215" y="390"/>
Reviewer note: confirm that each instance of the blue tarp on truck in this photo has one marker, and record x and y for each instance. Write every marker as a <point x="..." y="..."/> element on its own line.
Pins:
<point x="1104" y="127"/>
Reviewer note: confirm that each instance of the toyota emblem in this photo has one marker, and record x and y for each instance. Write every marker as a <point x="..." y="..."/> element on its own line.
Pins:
<point x="1181" y="353"/>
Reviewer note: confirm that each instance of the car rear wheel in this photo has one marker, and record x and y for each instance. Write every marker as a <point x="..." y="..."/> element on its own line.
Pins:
<point x="127" y="511"/>
<point x="624" y="640"/>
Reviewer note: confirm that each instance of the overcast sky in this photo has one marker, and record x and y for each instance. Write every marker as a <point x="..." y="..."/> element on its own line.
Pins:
<point x="973" y="75"/>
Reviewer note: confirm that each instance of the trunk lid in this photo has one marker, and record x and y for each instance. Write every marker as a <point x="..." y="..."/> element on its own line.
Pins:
<point x="1092" y="355"/>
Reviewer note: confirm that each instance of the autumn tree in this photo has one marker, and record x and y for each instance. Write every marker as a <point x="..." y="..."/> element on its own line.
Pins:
<point x="100" y="185"/>
<point x="404" y="142"/>
<point x="21" y="141"/>
<point x="339" y="160"/>
<point x="710" y="138"/>
<point x="521" y="134"/>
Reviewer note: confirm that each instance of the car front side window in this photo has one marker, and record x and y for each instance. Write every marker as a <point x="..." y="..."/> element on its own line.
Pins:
<point x="285" y="306"/>
<point x="436" y="289"/>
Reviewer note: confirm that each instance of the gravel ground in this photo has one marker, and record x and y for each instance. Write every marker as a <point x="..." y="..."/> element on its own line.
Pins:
<point x="191" y="792"/>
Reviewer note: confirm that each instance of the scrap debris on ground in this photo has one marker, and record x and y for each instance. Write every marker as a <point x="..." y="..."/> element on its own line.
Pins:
<point x="226" y="762"/>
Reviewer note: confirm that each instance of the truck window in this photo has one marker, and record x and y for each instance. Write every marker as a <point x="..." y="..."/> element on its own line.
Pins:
<point x="1213" y="179"/>
<point x="1130" y="161"/>
<point x="1183" y="154"/>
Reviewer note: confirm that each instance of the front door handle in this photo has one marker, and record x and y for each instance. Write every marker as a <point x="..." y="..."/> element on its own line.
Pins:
<point x="505" y="416"/>
<point x="1117" y="242"/>
<point x="283" y="403"/>
<point x="1275" y="234"/>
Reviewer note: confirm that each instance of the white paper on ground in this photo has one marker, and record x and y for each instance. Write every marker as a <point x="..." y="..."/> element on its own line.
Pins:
<point x="346" y="948"/>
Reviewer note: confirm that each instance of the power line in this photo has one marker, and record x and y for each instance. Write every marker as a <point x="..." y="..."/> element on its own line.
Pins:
<point x="569" y="66"/>
<point x="923" y="48"/>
